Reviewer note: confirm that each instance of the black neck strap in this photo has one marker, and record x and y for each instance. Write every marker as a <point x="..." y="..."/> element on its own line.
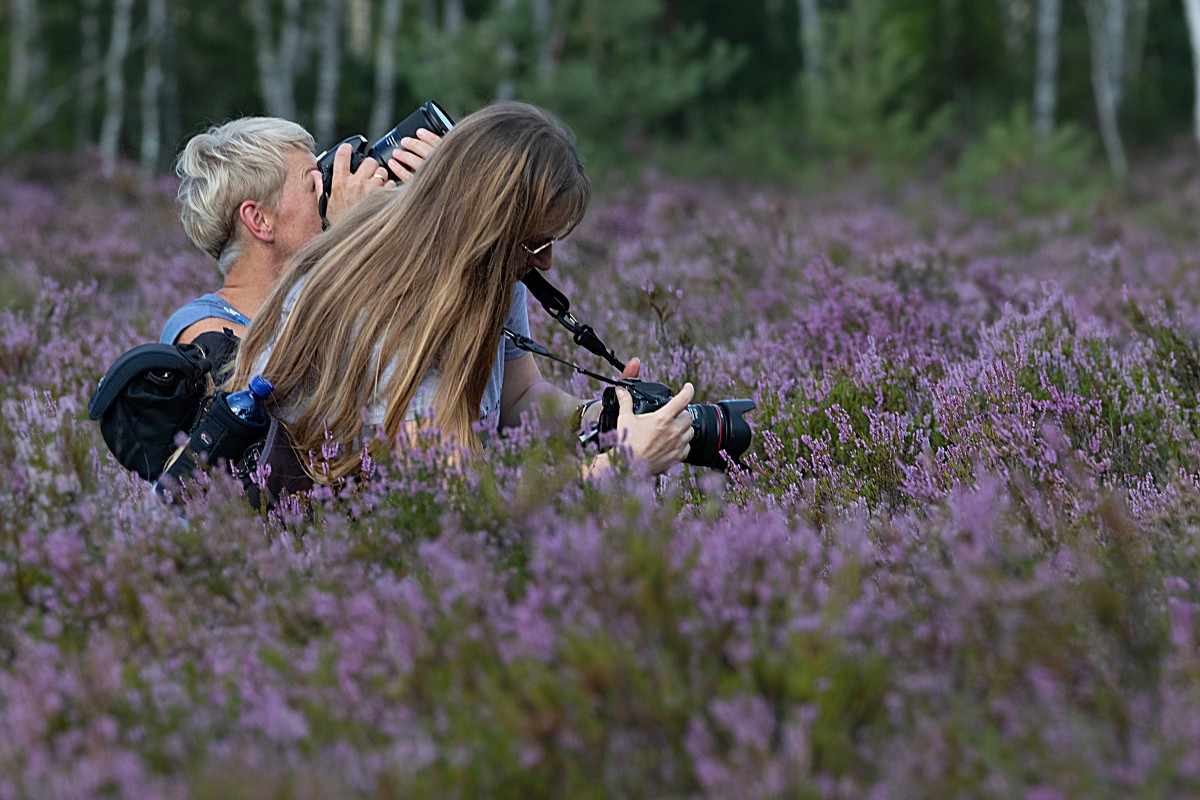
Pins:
<point x="558" y="306"/>
<point x="531" y="346"/>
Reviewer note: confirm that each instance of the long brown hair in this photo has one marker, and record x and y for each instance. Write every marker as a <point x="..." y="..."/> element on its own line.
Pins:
<point x="421" y="277"/>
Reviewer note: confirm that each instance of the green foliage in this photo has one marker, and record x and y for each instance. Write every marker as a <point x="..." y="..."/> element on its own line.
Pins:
<point x="628" y="78"/>
<point x="861" y="109"/>
<point x="699" y="88"/>
<point x="1013" y="168"/>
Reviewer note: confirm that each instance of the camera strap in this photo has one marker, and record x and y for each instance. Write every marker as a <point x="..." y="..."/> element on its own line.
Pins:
<point x="558" y="306"/>
<point x="531" y="346"/>
<point x="609" y="397"/>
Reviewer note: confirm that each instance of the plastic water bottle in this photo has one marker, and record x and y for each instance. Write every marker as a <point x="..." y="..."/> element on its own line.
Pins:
<point x="250" y="404"/>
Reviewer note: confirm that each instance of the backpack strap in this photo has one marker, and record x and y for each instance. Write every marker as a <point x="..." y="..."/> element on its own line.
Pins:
<point x="207" y="306"/>
<point x="287" y="470"/>
<point x="221" y="348"/>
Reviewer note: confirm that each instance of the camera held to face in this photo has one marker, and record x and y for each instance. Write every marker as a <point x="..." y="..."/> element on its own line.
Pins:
<point x="430" y="116"/>
<point x="719" y="428"/>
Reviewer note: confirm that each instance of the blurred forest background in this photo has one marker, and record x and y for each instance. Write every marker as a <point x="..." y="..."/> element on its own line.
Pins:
<point x="769" y="89"/>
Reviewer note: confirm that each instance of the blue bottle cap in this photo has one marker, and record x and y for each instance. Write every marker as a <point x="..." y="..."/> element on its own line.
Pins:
<point x="261" y="386"/>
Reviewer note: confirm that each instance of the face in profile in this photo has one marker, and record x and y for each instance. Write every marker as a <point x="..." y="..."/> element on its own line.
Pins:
<point x="298" y="219"/>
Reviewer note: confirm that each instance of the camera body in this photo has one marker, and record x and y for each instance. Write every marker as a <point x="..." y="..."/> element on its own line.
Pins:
<point x="718" y="427"/>
<point x="430" y="116"/>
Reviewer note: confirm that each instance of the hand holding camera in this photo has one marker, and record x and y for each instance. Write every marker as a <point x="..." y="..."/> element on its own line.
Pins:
<point x="717" y="429"/>
<point x="414" y="138"/>
<point x="659" y="438"/>
<point x="352" y="183"/>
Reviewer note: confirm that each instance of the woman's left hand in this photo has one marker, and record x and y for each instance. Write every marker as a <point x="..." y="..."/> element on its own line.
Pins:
<point x="660" y="438"/>
<point x="406" y="159"/>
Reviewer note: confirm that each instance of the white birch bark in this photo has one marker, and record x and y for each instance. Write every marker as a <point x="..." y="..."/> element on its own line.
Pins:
<point x="329" y="71"/>
<point x="810" y="36"/>
<point x="1192" y="11"/>
<point x="383" y="102"/>
<point x="24" y="59"/>
<point x="453" y="17"/>
<point x="276" y="55"/>
<point x="1045" y="81"/>
<point x="89" y="52"/>
<point x="810" y="45"/>
<point x="291" y="54"/>
<point x="358" y="28"/>
<point x="1106" y="28"/>
<point x="506" y="87"/>
<point x="114" y="86"/>
<point x="152" y="84"/>
<point x="549" y="38"/>
<point x="264" y="56"/>
<point x="171" y="106"/>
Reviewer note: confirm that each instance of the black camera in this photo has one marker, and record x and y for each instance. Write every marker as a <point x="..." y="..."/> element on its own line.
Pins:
<point x="430" y="116"/>
<point x="718" y="427"/>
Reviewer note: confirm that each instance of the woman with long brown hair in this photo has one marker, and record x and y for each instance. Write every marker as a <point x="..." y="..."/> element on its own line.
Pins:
<point x="398" y="309"/>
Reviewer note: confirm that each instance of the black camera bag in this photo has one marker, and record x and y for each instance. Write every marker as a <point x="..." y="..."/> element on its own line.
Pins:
<point x="147" y="397"/>
<point x="217" y="435"/>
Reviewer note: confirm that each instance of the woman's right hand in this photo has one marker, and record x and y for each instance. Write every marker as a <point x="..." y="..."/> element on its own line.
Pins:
<point x="660" y="438"/>
<point x="350" y="187"/>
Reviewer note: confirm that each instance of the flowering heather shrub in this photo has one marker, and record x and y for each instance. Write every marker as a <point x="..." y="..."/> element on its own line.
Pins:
<point x="959" y="560"/>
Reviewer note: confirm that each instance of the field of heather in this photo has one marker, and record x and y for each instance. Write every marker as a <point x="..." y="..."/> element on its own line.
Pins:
<point x="960" y="560"/>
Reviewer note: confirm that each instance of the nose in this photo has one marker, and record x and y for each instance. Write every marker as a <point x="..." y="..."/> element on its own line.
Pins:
<point x="544" y="259"/>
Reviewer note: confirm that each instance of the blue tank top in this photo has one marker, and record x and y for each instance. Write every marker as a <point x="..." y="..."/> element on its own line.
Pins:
<point x="206" y="306"/>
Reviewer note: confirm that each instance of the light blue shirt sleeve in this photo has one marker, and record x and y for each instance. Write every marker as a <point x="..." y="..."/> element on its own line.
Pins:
<point x="517" y="322"/>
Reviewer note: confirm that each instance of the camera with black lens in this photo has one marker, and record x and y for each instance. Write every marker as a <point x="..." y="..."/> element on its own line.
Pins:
<point x="430" y="116"/>
<point x="719" y="429"/>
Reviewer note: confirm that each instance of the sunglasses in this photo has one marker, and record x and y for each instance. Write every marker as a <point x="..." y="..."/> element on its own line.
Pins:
<point x="533" y="251"/>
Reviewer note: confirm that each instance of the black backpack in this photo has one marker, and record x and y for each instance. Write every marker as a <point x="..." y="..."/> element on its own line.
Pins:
<point x="154" y="392"/>
<point x="149" y="396"/>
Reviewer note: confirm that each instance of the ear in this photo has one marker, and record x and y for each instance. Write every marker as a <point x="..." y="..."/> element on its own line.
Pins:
<point x="255" y="220"/>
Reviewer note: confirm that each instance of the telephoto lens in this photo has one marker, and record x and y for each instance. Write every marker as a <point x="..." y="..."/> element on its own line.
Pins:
<point x="719" y="427"/>
<point x="430" y="116"/>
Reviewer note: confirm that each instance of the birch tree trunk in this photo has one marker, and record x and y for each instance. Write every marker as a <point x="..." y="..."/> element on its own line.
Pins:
<point x="453" y="17"/>
<point x="276" y="56"/>
<point x="89" y="51"/>
<point x="358" y="28"/>
<point x="329" y="72"/>
<point x="265" y="59"/>
<point x="114" y="86"/>
<point x="383" y="102"/>
<point x="24" y="59"/>
<point x="551" y="39"/>
<point x="810" y="43"/>
<point x="1192" y="10"/>
<point x="1045" y="81"/>
<point x="1106" y="28"/>
<point x="152" y="84"/>
<point x="171" y="103"/>
<point x="506" y="88"/>
<point x="810" y="36"/>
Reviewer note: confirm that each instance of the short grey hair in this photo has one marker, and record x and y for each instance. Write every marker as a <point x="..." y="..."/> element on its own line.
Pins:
<point x="243" y="159"/>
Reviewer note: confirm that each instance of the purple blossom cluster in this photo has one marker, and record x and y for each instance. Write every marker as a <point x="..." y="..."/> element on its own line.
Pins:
<point x="960" y="558"/>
